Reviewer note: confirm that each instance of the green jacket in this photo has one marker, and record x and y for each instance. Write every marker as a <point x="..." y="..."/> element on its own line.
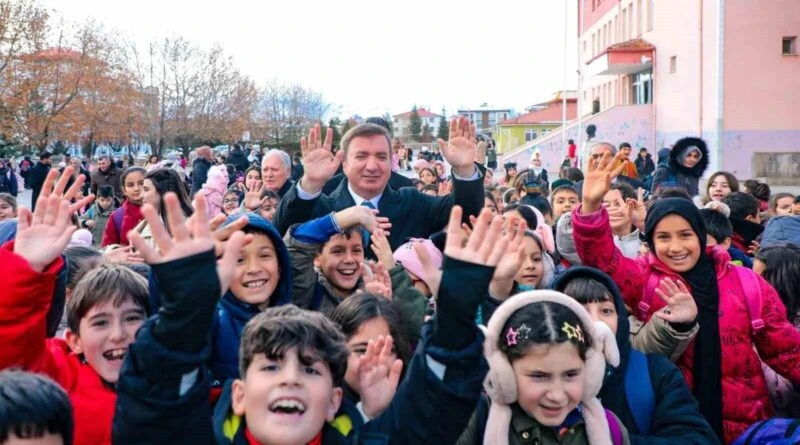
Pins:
<point x="525" y="430"/>
<point x="100" y="218"/>
<point x="658" y="336"/>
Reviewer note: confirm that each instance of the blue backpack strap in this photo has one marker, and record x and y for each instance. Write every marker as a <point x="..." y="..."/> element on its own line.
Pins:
<point x="752" y="297"/>
<point x="639" y="391"/>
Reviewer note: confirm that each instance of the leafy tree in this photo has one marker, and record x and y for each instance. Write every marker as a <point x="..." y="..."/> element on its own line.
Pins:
<point x="427" y="133"/>
<point x="444" y="128"/>
<point x="335" y="123"/>
<point x="416" y="125"/>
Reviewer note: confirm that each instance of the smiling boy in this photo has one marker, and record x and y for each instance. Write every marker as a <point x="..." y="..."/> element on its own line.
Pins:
<point x="105" y="310"/>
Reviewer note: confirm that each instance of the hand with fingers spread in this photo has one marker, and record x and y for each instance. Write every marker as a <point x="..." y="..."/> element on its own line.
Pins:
<point x="376" y="279"/>
<point x="597" y="182"/>
<point x="319" y="162"/>
<point x="512" y="260"/>
<point x="43" y="235"/>
<point x="382" y="249"/>
<point x="484" y="246"/>
<point x="252" y="199"/>
<point x="460" y="151"/>
<point x="379" y="372"/>
<point x="467" y="270"/>
<point x="681" y="307"/>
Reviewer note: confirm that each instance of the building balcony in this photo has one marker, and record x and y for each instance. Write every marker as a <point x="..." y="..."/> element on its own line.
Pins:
<point x="630" y="57"/>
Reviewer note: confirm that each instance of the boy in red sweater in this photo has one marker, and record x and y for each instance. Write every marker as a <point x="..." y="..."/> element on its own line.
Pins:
<point x="104" y="312"/>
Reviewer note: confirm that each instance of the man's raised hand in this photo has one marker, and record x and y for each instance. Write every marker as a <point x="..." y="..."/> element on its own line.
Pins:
<point x="460" y="151"/>
<point x="319" y="163"/>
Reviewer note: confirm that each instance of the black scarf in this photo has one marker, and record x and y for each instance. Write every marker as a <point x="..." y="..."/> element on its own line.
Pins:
<point x="702" y="280"/>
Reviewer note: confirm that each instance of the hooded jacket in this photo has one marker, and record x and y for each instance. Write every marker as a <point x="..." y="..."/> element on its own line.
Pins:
<point x="675" y="174"/>
<point x="233" y="314"/>
<point x="676" y="417"/>
<point x="744" y="390"/>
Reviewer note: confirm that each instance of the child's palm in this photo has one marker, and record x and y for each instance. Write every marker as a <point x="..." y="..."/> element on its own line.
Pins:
<point x="681" y="307"/>
<point x="378" y="375"/>
<point x="42" y="237"/>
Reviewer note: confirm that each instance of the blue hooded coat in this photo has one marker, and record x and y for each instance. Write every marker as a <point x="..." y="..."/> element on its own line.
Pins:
<point x="233" y="314"/>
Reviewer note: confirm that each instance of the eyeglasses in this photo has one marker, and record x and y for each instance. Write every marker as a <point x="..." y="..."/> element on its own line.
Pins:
<point x="231" y="201"/>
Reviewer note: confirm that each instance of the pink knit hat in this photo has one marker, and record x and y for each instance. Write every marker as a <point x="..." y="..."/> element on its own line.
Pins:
<point x="407" y="257"/>
<point x="81" y="237"/>
<point x="501" y="384"/>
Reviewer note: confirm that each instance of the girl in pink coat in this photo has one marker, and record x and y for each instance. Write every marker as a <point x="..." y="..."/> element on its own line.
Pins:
<point x="214" y="189"/>
<point x="722" y="364"/>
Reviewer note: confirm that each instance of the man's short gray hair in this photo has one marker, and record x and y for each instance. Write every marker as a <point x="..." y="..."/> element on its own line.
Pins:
<point x="285" y="160"/>
<point x="610" y="145"/>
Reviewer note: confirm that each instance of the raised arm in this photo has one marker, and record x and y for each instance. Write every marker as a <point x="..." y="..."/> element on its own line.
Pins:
<point x="163" y="389"/>
<point x="444" y="379"/>
<point x="592" y="233"/>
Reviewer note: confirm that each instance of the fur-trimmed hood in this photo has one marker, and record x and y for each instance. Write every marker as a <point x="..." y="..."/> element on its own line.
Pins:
<point x="680" y="148"/>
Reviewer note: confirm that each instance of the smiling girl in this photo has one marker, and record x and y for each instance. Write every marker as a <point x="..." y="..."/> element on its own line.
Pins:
<point x="128" y="216"/>
<point x="546" y="361"/>
<point x="720" y="185"/>
<point x="722" y="366"/>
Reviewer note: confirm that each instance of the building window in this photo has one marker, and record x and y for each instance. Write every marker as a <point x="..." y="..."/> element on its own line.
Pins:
<point x="624" y="27"/>
<point x="790" y="46"/>
<point x="639" y="15"/>
<point x="530" y="135"/>
<point x="673" y="64"/>
<point x="643" y="88"/>
<point x="650" y="9"/>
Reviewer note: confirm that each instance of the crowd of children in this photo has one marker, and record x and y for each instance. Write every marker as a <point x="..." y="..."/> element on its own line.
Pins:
<point x="577" y="310"/>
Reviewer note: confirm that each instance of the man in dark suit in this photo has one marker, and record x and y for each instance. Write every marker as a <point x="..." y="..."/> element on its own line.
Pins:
<point x="38" y="175"/>
<point x="366" y="152"/>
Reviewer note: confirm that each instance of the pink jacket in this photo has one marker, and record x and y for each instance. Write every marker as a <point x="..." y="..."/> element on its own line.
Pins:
<point x="744" y="389"/>
<point x="214" y="189"/>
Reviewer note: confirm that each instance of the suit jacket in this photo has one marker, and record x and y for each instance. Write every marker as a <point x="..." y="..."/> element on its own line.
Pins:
<point x="412" y="214"/>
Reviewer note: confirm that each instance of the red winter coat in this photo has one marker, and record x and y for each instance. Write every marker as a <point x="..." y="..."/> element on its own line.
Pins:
<point x="744" y="390"/>
<point x="24" y="303"/>
<point x="131" y="217"/>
